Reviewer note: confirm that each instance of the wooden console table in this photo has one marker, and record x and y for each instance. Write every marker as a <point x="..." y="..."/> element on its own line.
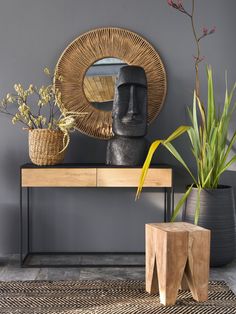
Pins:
<point x="84" y="176"/>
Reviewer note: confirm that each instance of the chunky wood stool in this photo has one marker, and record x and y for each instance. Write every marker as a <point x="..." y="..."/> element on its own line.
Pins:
<point x="177" y="252"/>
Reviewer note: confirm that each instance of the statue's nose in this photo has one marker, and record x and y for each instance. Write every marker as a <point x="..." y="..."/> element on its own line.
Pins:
<point x="133" y="113"/>
<point x="133" y="106"/>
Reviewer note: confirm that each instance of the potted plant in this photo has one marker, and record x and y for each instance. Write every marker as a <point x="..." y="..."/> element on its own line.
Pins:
<point x="207" y="203"/>
<point x="48" y="124"/>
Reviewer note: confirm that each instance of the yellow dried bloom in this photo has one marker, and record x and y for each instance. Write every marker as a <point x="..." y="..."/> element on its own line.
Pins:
<point x="46" y="71"/>
<point x="24" y="109"/>
<point x="14" y="120"/>
<point x="36" y="122"/>
<point x="43" y="120"/>
<point x="30" y="89"/>
<point x="16" y="87"/>
<point x="9" y="98"/>
<point x="30" y="124"/>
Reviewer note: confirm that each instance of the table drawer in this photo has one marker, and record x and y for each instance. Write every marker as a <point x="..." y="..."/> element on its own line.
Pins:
<point x="122" y="177"/>
<point x="60" y="177"/>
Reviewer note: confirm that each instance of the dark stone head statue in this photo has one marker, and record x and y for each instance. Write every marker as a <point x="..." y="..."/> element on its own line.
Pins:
<point x="128" y="146"/>
<point x="130" y="104"/>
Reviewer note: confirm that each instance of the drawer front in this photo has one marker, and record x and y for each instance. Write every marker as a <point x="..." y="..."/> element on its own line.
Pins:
<point x="122" y="177"/>
<point x="58" y="177"/>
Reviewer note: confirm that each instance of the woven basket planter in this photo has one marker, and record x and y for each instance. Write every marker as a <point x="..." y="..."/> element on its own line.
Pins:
<point x="45" y="147"/>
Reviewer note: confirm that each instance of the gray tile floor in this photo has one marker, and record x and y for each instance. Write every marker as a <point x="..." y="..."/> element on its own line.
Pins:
<point x="10" y="270"/>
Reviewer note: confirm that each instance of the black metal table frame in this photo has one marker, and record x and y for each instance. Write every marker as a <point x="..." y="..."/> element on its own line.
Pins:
<point x="168" y="210"/>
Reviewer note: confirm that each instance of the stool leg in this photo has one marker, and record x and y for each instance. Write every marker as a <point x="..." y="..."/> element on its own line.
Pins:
<point x="184" y="284"/>
<point x="151" y="266"/>
<point x="197" y="269"/>
<point x="171" y="255"/>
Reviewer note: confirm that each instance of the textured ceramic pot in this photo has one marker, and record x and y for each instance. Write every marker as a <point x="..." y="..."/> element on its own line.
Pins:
<point x="217" y="213"/>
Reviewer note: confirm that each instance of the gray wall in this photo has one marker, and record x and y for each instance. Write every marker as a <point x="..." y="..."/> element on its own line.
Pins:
<point x="33" y="34"/>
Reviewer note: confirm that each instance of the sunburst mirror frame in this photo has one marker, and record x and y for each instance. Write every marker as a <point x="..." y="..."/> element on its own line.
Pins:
<point x="101" y="43"/>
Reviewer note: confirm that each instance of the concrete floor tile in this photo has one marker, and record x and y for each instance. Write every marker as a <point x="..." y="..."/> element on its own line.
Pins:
<point x="58" y="274"/>
<point x="14" y="274"/>
<point x="112" y="273"/>
<point x="109" y="259"/>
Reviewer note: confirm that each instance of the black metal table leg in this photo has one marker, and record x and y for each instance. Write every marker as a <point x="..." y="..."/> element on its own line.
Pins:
<point x="21" y="226"/>
<point x="172" y="201"/>
<point x="169" y="204"/>
<point x="28" y="219"/>
<point x="23" y="255"/>
<point x="165" y="204"/>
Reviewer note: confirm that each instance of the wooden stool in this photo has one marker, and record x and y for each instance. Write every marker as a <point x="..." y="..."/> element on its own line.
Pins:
<point x="175" y="252"/>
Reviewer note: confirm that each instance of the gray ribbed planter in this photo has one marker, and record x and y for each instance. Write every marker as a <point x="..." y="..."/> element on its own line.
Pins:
<point x="217" y="213"/>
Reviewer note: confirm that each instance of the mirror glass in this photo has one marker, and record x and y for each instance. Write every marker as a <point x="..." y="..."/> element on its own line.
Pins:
<point x="99" y="82"/>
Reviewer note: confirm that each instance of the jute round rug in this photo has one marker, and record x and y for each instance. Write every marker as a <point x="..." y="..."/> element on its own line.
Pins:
<point x="105" y="297"/>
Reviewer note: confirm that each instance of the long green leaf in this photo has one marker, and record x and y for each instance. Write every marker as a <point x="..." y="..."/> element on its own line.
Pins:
<point x="231" y="143"/>
<point x="197" y="210"/>
<point x="180" y="203"/>
<point x="179" y="131"/>
<point x="177" y="156"/>
<point x="207" y="178"/>
<point x="228" y="164"/>
<point x="194" y="118"/>
<point x="211" y="100"/>
<point x="146" y="165"/>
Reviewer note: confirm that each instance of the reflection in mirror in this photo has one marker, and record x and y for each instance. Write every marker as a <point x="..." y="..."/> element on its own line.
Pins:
<point x="99" y="82"/>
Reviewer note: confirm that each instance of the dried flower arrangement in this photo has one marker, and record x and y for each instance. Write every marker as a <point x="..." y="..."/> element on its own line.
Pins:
<point x="41" y="109"/>
<point x="48" y="97"/>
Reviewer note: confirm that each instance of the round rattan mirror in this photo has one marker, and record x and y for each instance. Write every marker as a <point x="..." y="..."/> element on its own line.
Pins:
<point x="96" y="45"/>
